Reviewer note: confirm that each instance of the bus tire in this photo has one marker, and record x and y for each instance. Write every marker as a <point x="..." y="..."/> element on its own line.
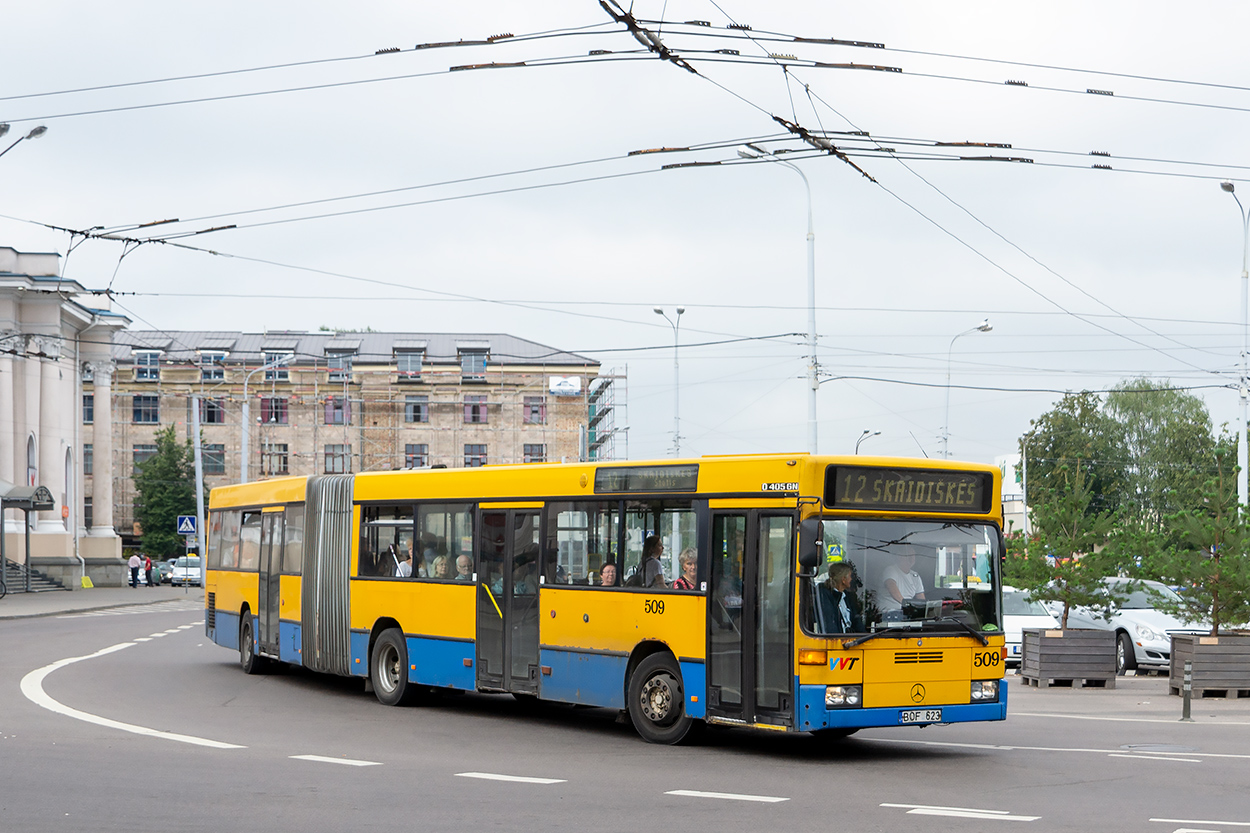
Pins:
<point x="388" y="669"/>
<point x="249" y="661"/>
<point x="657" y="700"/>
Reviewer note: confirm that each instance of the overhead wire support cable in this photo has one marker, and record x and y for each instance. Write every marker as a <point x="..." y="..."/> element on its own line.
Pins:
<point x="644" y="36"/>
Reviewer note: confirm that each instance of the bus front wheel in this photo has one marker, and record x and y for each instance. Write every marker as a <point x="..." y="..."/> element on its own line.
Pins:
<point x="249" y="661"/>
<point x="388" y="669"/>
<point x="657" y="701"/>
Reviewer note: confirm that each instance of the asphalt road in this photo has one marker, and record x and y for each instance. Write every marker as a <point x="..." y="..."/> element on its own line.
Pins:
<point x="301" y="752"/>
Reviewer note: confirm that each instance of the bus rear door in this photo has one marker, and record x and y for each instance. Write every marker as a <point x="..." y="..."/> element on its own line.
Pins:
<point x="272" y="530"/>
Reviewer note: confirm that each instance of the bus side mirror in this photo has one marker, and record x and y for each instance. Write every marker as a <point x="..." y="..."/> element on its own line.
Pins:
<point x="809" y="547"/>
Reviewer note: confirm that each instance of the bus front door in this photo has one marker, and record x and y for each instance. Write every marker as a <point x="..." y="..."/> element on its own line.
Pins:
<point x="268" y="603"/>
<point x="507" y="604"/>
<point x="749" y="622"/>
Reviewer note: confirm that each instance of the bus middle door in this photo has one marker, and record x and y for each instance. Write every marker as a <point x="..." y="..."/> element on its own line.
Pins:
<point x="507" y="604"/>
<point x="272" y="530"/>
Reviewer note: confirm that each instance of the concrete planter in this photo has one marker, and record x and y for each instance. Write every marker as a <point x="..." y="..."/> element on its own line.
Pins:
<point x="1221" y="664"/>
<point x="1079" y="658"/>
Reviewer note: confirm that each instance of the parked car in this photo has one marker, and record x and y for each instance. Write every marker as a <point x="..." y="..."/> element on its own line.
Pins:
<point x="187" y="570"/>
<point x="1144" y="633"/>
<point x="1020" y="612"/>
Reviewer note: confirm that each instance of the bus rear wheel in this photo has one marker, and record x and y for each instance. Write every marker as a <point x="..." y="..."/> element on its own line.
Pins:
<point x="388" y="669"/>
<point x="657" y="701"/>
<point x="249" y="661"/>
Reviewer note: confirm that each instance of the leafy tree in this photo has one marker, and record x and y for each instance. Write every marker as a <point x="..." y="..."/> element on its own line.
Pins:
<point x="1211" y="568"/>
<point x="1070" y="533"/>
<point x="165" y="486"/>
<point x="1075" y="433"/>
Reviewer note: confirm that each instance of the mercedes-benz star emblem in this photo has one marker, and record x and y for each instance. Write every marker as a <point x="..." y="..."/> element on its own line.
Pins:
<point x="917" y="693"/>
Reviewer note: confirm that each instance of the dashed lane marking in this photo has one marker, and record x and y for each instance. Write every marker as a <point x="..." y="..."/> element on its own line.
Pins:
<point x="344" y="761"/>
<point x="520" y="779"/>
<point x="1140" y="757"/>
<point x="130" y="610"/>
<point x="960" y="812"/>
<point x="766" y="799"/>
<point x="1205" y="821"/>
<point x="32" y="688"/>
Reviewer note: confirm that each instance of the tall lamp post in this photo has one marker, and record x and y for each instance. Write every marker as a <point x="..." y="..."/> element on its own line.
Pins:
<point x="983" y="327"/>
<point x="813" y="384"/>
<point x="35" y="133"/>
<point x="247" y="420"/>
<point x="868" y="433"/>
<point x="1243" y="453"/>
<point x="676" y="325"/>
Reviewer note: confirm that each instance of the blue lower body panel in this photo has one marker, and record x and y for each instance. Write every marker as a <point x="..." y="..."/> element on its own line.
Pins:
<point x="226" y="633"/>
<point x="441" y="662"/>
<point x="694" y="681"/>
<point x="291" y="642"/>
<point x="589" y="679"/>
<point x="813" y="715"/>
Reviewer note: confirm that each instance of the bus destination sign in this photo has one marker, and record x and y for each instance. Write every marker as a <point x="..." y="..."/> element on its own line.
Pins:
<point x="908" y="490"/>
<point x="646" y="479"/>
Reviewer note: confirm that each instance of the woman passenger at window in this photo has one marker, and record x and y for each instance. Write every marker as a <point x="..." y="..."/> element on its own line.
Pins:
<point x="689" y="562"/>
<point x="442" y="567"/>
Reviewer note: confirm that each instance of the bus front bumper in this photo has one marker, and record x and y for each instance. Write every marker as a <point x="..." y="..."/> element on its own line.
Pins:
<point x="814" y="715"/>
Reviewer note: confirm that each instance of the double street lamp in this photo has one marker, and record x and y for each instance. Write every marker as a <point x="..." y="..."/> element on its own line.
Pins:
<point x="676" y="325"/>
<point x="35" y="133"/>
<point x="983" y="327"/>
<point x="1243" y="453"/>
<point x="868" y="433"/>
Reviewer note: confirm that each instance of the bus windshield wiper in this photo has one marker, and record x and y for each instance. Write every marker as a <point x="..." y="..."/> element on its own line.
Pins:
<point x="965" y="626"/>
<point x="860" y="640"/>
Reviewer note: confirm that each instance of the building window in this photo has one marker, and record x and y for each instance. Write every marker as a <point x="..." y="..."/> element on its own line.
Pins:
<point x="338" y="410"/>
<point x="273" y="410"/>
<point x="281" y="373"/>
<point x="475" y="408"/>
<point x="141" y="453"/>
<point x="473" y="365"/>
<point x="416" y="455"/>
<point x="338" y="459"/>
<point x="409" y="364"/>
<point x="535" y="453"/>
<point x="416" y="409"/>
<point x="535" y="410"/>
<point x="212" y="366"/>
<point x="212" y="412"/>
<point x="474" y="456"/>
<point x="273" y="458"/>
<point x="340" y="365"/>
<point x="213" y="458"/>
<point x="147" y="365"/>
<point x="88" y="516"/>
<point x="147" y="409"/>
<point x="88" y="408"/>
<point x="88" y="458"/>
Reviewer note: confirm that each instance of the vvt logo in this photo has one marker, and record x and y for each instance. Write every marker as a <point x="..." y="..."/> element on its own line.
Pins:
<point x="843" y="663"/>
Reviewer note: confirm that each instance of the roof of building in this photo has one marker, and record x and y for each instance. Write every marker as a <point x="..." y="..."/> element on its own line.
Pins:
<point x="367" y="348"/>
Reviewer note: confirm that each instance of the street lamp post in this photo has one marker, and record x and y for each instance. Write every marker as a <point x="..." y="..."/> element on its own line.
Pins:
<point x="676" y="325"/>
<point x="35" y="133"/>
<point x="1243" y="453"/>
<point x="247" y="421"/>
<point x="868" y="433"/>
<point x="753" y="152"/>
<point x="983" y="327"/>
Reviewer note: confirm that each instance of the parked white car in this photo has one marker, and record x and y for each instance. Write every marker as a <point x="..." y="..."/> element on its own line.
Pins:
<point x="1020" y="612"/>
<point x="187" y="570"/>
<point x="1144" y="633"/>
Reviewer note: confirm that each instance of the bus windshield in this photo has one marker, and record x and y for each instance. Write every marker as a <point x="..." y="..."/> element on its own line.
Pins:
<point x="904" y="575"/>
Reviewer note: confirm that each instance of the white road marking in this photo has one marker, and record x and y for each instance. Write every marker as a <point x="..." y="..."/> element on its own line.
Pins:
<point x="960" y="812"/>
<point x="1126" y="719"/>
<point x="1009" y="748"/>
<point x="1155" y="757"/>
<point x="343" y="761"/>
<point x="127" y="610"/>
<point x="143" y="639"/>
<point x="1193" y="830"/>
<point x="521" y="779"/>
<point x="173" y="630"/>
<point x="768" y="799"/>
<point x="32" y="688"/>
<point x="155" y="635"/>
<point x="1205" y="821"/>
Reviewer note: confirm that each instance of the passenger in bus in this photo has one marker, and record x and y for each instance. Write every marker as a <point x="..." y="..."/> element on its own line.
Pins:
<point x="689" y="561"/>
<point x="650" y="571"/>
<point x="525" y="572"/>
<point x="464" y="568"/>
<point x="607" y="574"/>
<point x="837" y="609"/>
<point x="900" y="584"/>
<point x="404" y="570"/>
<point x="441" y="568"/>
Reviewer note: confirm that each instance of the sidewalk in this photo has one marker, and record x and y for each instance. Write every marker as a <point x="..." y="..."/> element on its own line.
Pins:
<point x="1134" y="698"/>
<point x="54" y="602"/>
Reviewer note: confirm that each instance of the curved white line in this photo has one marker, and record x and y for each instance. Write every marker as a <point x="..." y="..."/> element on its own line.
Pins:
<point x="32" y="688"/>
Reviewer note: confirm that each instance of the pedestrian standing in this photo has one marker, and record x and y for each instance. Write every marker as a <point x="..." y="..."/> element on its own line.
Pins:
<point x="147" y="570"/>
<point x="133" y="564"/>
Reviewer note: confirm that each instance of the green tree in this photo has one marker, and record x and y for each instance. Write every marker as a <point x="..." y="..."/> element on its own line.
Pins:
<point x="1075" y="432"/>
<point x="165" y="486"/>
<point x="1064" y="560"/>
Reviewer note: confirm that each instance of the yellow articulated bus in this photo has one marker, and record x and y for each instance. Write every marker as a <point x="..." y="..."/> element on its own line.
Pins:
<point x="789" y="592"/>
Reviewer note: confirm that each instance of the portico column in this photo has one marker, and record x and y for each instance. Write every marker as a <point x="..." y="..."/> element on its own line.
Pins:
<point x="102" y="450"/>
<point x="52" y="442"/>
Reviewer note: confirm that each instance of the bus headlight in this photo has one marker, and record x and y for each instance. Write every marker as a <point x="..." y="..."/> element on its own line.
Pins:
<point x="984" y="691"/>
<point x="843" y="696"/>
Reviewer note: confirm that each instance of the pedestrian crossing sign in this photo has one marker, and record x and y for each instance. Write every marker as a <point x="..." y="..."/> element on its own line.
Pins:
<point x="186" y="524"/>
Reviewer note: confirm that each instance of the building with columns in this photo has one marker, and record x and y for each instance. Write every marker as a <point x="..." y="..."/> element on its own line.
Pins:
<point x="51" y="331"/>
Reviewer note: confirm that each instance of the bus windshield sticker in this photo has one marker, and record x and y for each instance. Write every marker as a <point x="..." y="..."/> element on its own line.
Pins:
<point x="647" y="479"/>
<point x="908" y="490"/>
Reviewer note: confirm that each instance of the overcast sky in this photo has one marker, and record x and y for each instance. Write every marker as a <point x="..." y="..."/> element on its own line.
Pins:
<point x="1088" y="276"/>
